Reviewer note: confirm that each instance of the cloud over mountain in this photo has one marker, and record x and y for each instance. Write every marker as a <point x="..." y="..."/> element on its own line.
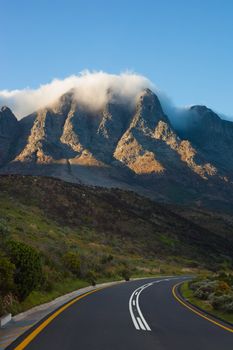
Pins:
<point x="91" y="90"/>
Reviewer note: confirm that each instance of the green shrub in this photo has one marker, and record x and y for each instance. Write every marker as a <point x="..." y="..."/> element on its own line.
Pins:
<point x="7" y="270"/>
<point x="28" y="273"/>
<point x="126" y="273"/>
<point x="226" y="277"/>
<point x="202" y="289"/>
<point x="219" y="293"/>
<point x="3" y="227"/>
<point x="91" y="277"/>
<point x="222" y="288"/>
<point x="4" y="233"/>
<point x="7" y="286"/>
<point x="72" y="263"/>
<point x="106" y="259"/>
<point x="229" y="307"/>
<point x="223" y="302"/>
<point x="48" y="279"/>
<point x="6" y="303"/>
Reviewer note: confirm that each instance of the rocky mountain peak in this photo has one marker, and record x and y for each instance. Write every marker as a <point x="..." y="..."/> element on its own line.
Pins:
<point x="4" y="109"/>
<point x="65" y="103"/>
<point x="7" y="114"/>
<point x="149" y="102"/>
<point x="200" y="108"/>
<point x="9" y="126"/>
<point x="202" y="116"/>
<point x="117" y="145"/>
<point x="8" y="121"/>
<point x="148" y="112"/>
<point x="211" y="136"/>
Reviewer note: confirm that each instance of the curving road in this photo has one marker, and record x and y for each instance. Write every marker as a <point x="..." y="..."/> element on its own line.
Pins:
<point x="137" y="315"/>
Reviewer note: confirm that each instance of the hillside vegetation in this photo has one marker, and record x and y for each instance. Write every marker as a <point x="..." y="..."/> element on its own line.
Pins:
<point x="212" y="293"/>
<point x="69" y="235"/>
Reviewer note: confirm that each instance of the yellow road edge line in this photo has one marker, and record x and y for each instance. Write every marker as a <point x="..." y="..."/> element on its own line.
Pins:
<point x="197" y="312"/>
<point x="44" y="324"/>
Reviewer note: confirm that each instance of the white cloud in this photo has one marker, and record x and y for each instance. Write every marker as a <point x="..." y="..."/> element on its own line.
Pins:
<point x="91" y="90"/>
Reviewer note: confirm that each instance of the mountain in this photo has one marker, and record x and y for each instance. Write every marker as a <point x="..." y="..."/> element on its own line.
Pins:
<point x="8" y="133"/>
<point x="119" y="146"/>
<point x="211" y="136"/>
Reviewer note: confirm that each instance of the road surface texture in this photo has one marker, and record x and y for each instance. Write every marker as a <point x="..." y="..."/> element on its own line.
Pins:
<point x="137" y="315"/>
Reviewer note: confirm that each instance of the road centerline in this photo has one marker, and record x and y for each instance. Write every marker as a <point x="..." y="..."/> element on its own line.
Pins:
<point x="139" y="310"/>
<point x="135" y="311"/>
<point x="136" y="314"/>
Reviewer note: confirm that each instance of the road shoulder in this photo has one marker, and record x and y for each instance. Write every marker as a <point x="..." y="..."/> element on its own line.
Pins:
<point x="25" y="321"/>
<point x="176" y="291"/>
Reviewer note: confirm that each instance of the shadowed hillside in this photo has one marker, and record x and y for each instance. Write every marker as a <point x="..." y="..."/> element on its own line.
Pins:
<point x="56" y="237"/>
<point x="54" y="216"/>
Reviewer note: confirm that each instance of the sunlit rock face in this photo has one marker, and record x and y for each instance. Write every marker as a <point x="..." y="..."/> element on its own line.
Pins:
<point x="120" y="145"/>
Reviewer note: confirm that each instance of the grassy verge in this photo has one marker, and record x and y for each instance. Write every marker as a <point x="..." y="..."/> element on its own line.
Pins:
<point x="41" y="297"/>
<point x="187" y="293"/>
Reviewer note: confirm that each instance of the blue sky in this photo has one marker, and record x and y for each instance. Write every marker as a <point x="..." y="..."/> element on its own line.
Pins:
<point x="184" y="47"/>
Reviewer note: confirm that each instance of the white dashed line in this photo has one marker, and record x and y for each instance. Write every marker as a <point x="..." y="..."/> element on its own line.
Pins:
<point x="136" y="313"/>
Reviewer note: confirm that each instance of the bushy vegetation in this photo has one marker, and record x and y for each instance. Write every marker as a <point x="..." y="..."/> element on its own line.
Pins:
<point x="72" y="262"/>
<point x="25" y="270"/>
<point x="55" y="237"/>
<point x="20" y="272"/>
<point x="7" y="286"/>
<point x="27" y="273"/>
<point x="28" y="267"/>
<point x="216" y="290"/>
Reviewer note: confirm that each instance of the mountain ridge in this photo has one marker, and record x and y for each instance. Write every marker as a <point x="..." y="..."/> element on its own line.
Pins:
<point x="120" y="146"/>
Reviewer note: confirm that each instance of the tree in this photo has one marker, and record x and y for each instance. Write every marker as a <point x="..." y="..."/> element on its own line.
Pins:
<point x="28" y="273"/>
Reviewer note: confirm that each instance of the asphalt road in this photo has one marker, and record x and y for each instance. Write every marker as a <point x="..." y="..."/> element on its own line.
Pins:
<point x="128" y="316"/>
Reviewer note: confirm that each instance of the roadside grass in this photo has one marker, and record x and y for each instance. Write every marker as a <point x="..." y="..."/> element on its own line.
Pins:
<point x="40" y="297"/>
<point x="187" y="293"/>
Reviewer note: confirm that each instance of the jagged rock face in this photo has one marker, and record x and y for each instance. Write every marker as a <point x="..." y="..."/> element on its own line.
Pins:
<point x="150" y="146"/>
<point x="133" y="149"/>
<point x="211" y="136"/>
<point x="8" y="133"/>
<point x="119" y="146"/>
<point x="43" y="144"/>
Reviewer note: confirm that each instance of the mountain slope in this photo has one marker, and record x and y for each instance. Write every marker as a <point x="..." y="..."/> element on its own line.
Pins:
<point x="8" y="134"/>
<point x="212" y="136"/>
<point x="133" y="148"/>
<point x="55" y="217"/>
